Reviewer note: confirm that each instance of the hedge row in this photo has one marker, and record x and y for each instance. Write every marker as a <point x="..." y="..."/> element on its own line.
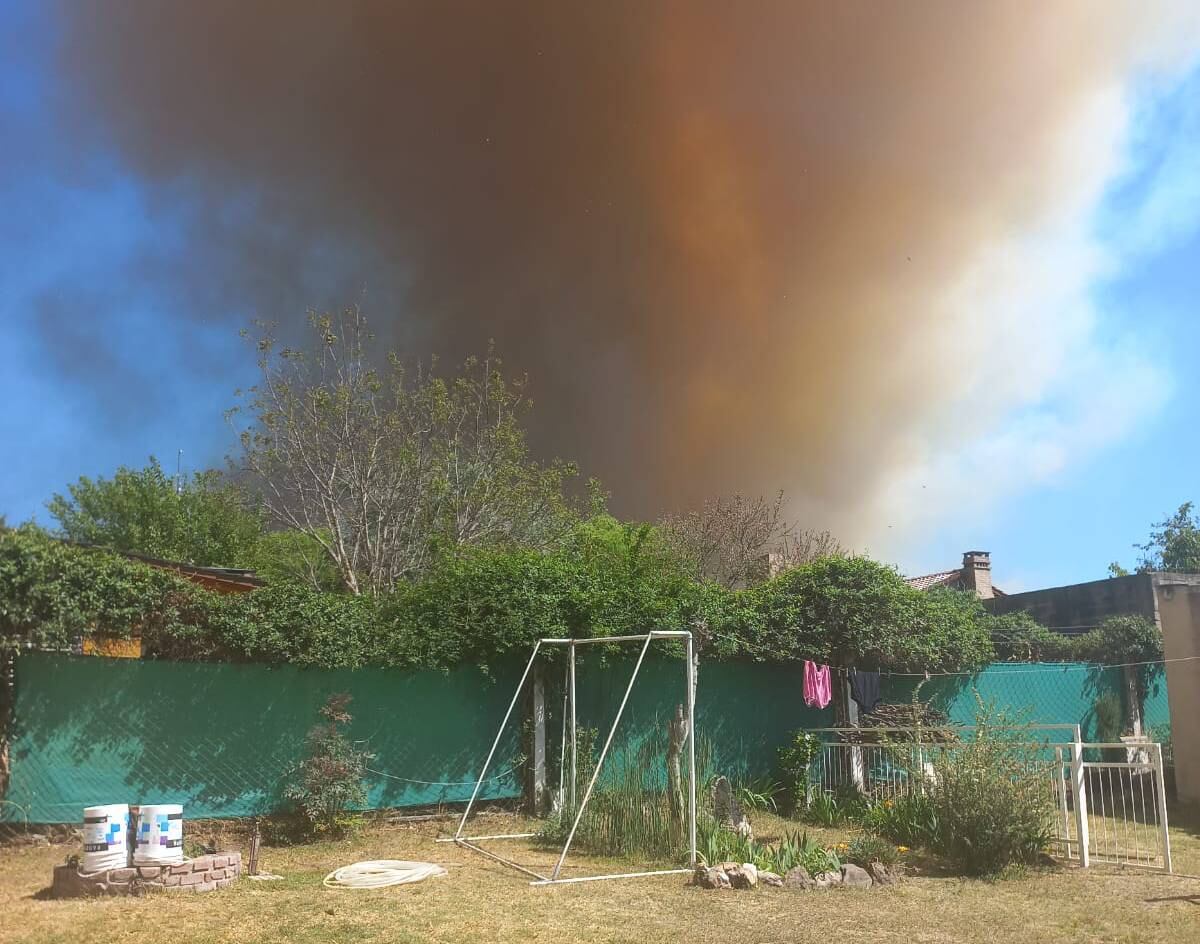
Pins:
<point x="478" y="606"/>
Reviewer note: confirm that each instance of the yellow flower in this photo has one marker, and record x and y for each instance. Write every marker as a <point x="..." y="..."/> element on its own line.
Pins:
<point x="902" y="848"/>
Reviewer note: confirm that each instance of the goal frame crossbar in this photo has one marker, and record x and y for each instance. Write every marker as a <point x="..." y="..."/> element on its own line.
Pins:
<point x="472" y="842"/>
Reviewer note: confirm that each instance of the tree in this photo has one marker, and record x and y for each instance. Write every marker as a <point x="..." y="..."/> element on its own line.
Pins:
<point x="736" y="540"/>
<point x="202" y="521"/>
<point x="385" y="468"/>
<point x="1174" y="545"/>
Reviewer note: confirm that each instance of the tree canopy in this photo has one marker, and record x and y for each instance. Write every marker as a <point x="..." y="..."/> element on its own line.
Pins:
<point x="201" y="520"/>
<point x="1173" y="547"/>
<point x="385" y="466"/>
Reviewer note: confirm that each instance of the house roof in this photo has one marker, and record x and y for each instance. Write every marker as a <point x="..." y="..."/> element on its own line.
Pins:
<point x="221" y="579"/>
<point x="951" y="579"/>
<point x="944" y="578"/>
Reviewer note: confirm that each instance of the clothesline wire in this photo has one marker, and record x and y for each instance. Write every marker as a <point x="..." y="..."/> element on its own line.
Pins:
<point x="440" y="783"/>
<point x="1046" y="668"/>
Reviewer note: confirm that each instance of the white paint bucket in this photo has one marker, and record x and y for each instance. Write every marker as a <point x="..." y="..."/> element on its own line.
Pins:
<point x="105" y="837"/>
<point x="159" y="836"/>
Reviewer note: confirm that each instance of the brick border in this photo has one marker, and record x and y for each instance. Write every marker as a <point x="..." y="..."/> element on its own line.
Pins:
<point x="202" y="874"/>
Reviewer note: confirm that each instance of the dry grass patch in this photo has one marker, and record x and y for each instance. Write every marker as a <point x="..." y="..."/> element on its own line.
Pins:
<point x="484" y="901"/>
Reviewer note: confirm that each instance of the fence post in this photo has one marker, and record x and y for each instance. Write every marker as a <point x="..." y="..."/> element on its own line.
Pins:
<point x="538" y="797"/>
<point x="1079" y="790"/>
<point x="1160" y="801"/>
<point x="1060" y="789"/>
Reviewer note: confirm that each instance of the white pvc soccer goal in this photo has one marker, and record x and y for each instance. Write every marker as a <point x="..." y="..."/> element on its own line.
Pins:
<point x="471" y="842"/>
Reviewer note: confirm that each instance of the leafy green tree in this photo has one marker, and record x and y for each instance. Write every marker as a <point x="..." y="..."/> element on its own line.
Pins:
<point x="1174" y="544"/>
<point x="295" y="557"/>
<point x="386" y="468"/>
<point x="202" y="521"/>
<point x="852" y="611"/>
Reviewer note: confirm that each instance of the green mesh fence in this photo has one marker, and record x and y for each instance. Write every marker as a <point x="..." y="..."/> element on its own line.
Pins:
<point x="220" y="738"/>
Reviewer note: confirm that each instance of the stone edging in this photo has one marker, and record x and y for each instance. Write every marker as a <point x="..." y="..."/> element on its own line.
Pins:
<point x="203" y="874"/>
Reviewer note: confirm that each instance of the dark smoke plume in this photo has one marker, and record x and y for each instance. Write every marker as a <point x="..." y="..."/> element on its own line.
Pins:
<point x="736" y="246"/>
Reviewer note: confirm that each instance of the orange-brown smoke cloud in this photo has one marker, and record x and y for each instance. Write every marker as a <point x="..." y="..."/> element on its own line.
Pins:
<point x="735" y="246"/>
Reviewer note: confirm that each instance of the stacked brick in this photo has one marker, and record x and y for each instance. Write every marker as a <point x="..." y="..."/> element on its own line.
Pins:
<point x="203" y="874"/>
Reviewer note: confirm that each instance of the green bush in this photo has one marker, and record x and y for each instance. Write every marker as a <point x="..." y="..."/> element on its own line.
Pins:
<point x="717" y="844"/>
<point x="327" y="789"/>
<point x="907" y="820"/>
<point x="834" y="808"/>
<point x="794" y="760"/>
<point x="484" y="605"/>
<point x="989" y="799"/>
<point x="867" y="848"/>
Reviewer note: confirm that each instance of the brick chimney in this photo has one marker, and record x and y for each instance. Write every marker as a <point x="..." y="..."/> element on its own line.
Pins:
<point x="977" y="573"/>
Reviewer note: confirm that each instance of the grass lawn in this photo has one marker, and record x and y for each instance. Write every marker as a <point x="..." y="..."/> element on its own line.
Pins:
<point x="484" y="901"/>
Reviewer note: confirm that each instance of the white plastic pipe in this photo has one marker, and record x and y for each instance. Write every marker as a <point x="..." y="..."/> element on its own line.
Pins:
<point x="381" y="873"/>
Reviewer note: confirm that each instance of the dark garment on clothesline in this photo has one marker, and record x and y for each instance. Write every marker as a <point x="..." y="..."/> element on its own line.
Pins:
<point x="864" y="689"/>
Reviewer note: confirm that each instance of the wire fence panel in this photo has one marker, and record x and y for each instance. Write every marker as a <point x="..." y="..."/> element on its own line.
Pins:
<point x="221" y="739"/>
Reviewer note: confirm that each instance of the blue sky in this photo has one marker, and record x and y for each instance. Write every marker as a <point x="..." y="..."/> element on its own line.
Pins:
<point x="110" y="356"/>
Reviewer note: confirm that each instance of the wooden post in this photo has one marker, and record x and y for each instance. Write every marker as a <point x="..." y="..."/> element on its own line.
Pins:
<point x="255" y="840"/>
<point x="539" y="794"/>
<point x="677" y="735"/>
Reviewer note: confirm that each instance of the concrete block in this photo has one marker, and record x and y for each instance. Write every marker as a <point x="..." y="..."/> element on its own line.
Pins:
<point x="121" y="875"/>
<point x="149" y="871"/>
<point x="204" y="887"/>
<point x="219" y="862"/>
<point x="224" y="882"/>
<point x="194" y="879"/>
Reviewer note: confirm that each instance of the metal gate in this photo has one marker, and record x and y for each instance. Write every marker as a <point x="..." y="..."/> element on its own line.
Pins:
<point x="1112" y="804"/>
<point x="1109" y="800"/>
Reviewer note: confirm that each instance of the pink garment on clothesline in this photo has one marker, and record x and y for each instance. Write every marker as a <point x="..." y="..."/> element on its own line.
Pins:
<point x="818" y="690"/>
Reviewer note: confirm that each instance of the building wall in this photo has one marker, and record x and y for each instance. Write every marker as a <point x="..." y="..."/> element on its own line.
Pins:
<point x="1179" y="611"/>
<point x="1084" y="604"/>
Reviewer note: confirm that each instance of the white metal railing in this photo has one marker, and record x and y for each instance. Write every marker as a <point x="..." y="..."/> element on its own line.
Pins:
<point x="1104" y="809"/>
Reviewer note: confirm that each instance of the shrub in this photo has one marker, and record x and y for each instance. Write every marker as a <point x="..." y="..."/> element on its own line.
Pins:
<point x="989" y="799"/>
<point x="907" y="820"/>
<point x="794" y="760"/>
<point x="329" y="781"/>
<point x="716" y="844"/>
<point x="825" y="808"/>
<point x="867" y="848"/>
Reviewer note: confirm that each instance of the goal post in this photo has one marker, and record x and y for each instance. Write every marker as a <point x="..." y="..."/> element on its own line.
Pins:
<point x="471" y="842"/>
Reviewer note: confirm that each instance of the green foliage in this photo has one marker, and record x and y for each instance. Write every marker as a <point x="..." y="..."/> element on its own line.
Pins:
<point x="51" y="592"/>
<point x="1174" y="544"/>
<point x="141" y="511"/>
<point x="1119" y="640"/>
<point x="794" y="759"/>
<point x="387" y="467"/>
<point x="295" y="557"/>
<point x="476" y="605"/>
<point x="630" y="814"/>
<point x="328" y="782"/>
<point x="908" y="820"/>
<point x="867" y="848"/>
<point x="834" y="808"/>
<point x="759" y="794"/>
<point x="854" y="611"/>
<point x="716" y="844"/>
<point x="1110" y="717"/>
<point x="989" y="798"/>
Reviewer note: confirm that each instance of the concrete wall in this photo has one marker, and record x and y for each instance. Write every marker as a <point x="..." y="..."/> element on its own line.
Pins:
<point x="1179" y="613"/>
<point x="1084" y="604"/>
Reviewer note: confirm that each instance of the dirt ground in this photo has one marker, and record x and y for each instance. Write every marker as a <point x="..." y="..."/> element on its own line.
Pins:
<point x="480" y="900"/>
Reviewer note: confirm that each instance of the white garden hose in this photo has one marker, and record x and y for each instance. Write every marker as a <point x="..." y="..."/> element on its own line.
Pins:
<point x="380" y="873"/>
